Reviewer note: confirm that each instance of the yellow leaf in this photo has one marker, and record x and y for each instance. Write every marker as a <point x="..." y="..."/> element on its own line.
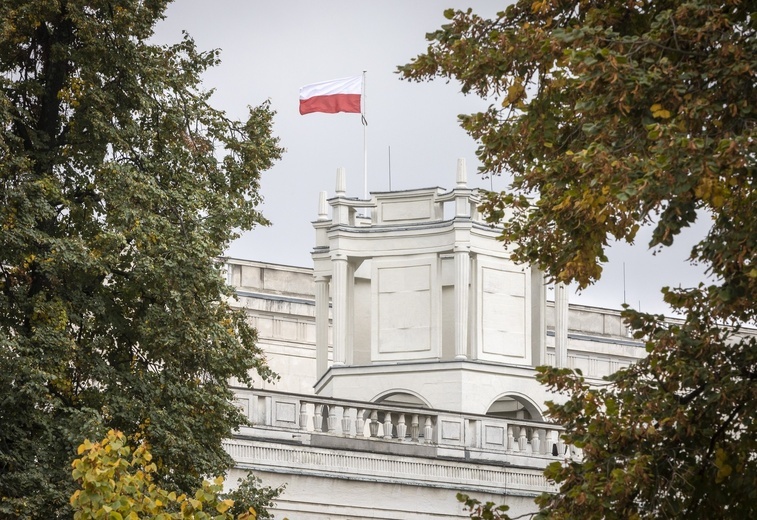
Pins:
<point x="514" y="93"/>
<point x="723" y="473"/>
<point x="251" y="514"/>
<point x="224" y="505"/>
<point x="659" y="112"/>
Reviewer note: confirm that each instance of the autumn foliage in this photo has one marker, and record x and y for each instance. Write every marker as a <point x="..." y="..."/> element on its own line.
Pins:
<point x="117" y="483"/>
<point x="612" y="115"/>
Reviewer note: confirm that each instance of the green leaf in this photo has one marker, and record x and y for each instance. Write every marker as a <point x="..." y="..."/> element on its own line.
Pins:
<point x="655" y="102"/>
<point x="120" y="185"/>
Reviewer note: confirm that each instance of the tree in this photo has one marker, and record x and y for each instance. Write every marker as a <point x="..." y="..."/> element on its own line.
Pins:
<point x="612" y="115"/>
<point x="249" y="492"/>
<point x="119" y="187"/>
<point x="116" y="482"/>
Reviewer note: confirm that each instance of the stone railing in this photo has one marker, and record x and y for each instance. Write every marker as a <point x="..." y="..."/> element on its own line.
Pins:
<point x="453" y="433"/>
<point x="591" y="366"/>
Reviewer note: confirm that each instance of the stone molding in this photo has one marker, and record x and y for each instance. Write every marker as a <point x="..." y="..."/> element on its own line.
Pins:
<point x="276" y="457"/>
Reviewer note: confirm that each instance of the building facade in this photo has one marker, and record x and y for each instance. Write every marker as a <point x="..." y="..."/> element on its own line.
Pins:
<point x="407" y="358"/>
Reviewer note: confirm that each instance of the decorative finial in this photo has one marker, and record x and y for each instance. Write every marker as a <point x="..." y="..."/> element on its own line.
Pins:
<point x="341" y="182"/>
<point x="323" y="207"/>
<point x="462" y="175"/>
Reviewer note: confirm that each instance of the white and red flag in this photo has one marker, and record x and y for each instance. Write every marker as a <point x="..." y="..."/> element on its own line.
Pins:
<point x="330" y="97"/>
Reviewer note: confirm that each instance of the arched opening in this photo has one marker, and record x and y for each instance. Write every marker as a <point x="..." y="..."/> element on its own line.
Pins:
<point x="514" y="406"/>
<point x="400" y="398"/>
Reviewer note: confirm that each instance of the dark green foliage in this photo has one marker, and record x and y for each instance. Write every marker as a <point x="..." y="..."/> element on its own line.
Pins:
<point x="119" y="186"/>
<point x="248" y="493"/>
<point x="612" y="115"/>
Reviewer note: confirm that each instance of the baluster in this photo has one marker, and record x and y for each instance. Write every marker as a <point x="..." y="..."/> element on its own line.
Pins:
<point x="511" y="439"/>
<point x="415" y="429"/>
<point x="570" y="452"/>
<point x="535" y="442"/>
<point x="544" y="440"/>
<point x="331" y="421"/>
<point x="401" y="428"/>
<point x="347" y="421"/>
<point x="522" y="439"/>
<point x="318" y="418"/>
<point x="360" y="422"/>
<point x="374" y="425"/>
<point x="553" y="443"/>
<point x="428" y="431"/>
<point x="303" y="415"/>
<point x="387" y="425"/>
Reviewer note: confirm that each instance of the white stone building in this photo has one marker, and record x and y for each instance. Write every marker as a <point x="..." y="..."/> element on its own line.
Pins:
<point x="407" y="358"/>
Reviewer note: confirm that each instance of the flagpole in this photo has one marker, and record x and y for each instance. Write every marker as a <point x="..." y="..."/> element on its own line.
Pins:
<point x="365" y="144"/>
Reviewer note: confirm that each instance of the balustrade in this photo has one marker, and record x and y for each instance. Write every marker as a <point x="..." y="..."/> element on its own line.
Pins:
<point x="400" y="424"/>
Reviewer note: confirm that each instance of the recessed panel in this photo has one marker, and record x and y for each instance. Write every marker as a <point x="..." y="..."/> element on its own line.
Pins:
<point x="451" y="431"/>
<point x="404" y="309"/>
<point x="503" y="316"/>
<point x="285" y="412"/>
<point x="494" y="435"/>
<point x="243" y="405"/>
<point x="407" y="210"/>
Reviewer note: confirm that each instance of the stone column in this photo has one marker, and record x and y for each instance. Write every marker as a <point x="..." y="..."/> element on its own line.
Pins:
<point x="462" y="295"/>
<point x="561" y="325"/>
<point x="350" y="316"/>
<point x="538" y="318"/>
<point x="321" y="325"/>
<point x="340" y="308"/>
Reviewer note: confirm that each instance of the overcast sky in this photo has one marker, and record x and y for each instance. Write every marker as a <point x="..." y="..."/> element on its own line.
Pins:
<point x="271" y="48"/>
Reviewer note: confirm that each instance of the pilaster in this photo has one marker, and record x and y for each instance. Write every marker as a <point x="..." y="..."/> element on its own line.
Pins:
<point x="321" y="325"/>
<point x="538" y="318"/>
<point x="340" y="306"/>
<point x="462" y="297"/>
<point x="561" y="325"/>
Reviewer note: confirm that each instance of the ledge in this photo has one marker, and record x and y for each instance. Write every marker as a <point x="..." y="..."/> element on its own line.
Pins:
<point x="282" y="458"/>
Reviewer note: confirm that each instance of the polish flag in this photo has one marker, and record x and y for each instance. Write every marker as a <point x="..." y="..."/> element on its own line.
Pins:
<point x="330" y="97"/>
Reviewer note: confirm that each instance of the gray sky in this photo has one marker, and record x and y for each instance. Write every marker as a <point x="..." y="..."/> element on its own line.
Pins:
<point x="271" y="48"/>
